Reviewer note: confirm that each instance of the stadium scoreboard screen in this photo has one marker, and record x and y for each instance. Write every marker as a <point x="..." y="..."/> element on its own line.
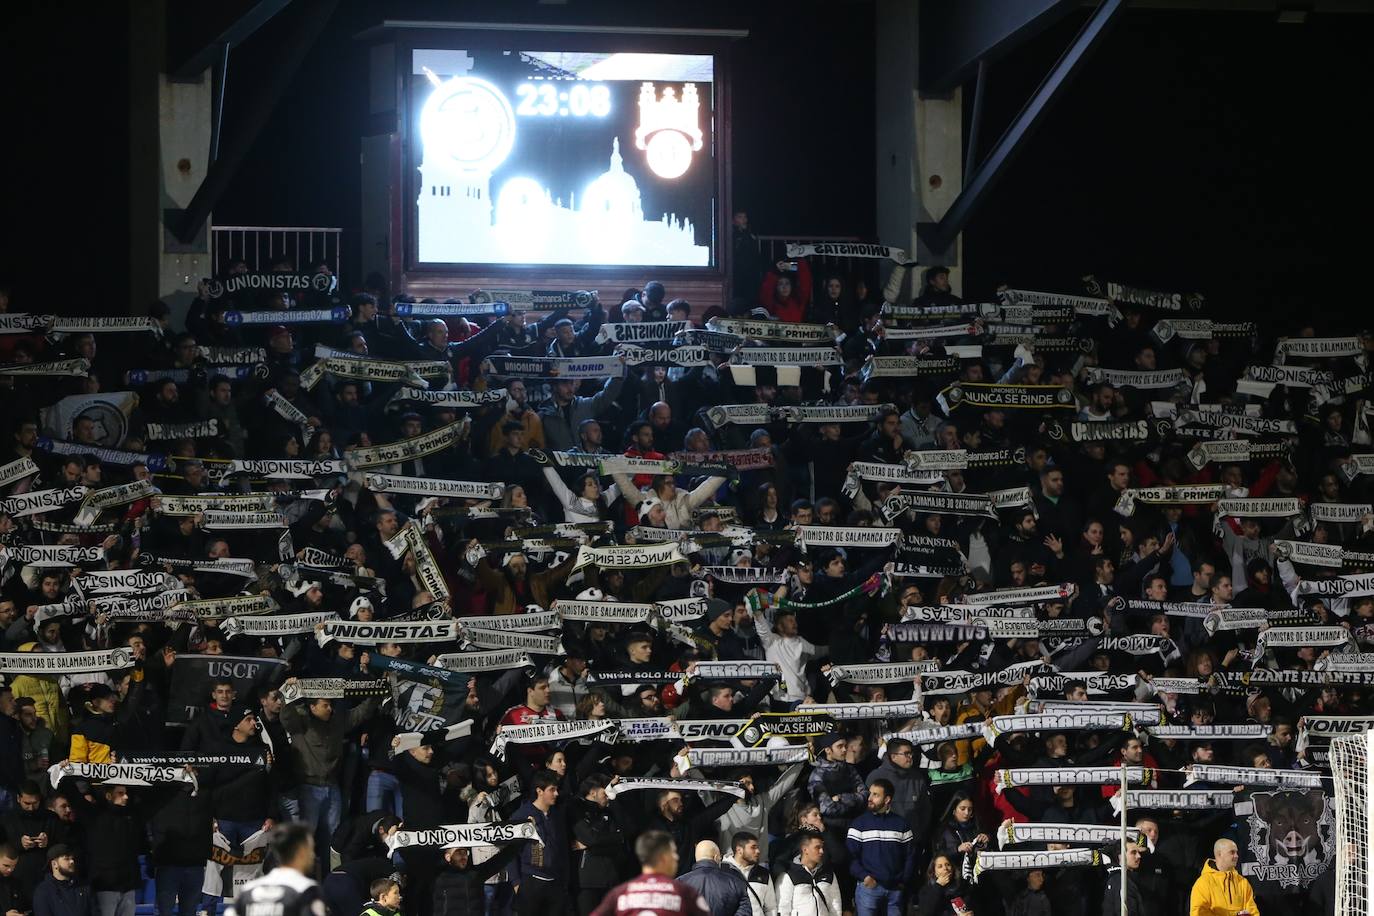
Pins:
<point x="570" y="158"/>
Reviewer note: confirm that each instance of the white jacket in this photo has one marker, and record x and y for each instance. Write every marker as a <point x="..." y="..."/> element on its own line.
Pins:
<point x="790" y="653"/>
<point x="678" y="512"/>
<point x="576" y="509"/>
<point x="762" y="897"/>
<point x="802" y="892"/>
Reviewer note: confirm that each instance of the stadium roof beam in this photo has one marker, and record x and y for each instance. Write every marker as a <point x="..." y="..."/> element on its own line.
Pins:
<point x="235" y="145"/>
<point x="940" y="236"/>
<point x="208" y="52"/>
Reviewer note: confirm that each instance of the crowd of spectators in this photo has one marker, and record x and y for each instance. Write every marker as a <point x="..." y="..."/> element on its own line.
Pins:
<point x="876" y="820"/>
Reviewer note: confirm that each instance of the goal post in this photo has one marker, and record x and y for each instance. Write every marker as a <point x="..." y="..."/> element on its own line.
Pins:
<point x="1351" y="758"/>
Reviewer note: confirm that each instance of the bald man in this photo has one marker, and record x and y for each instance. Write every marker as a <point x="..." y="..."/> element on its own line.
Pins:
<point x="724" y="891"/>
<point x="1221" y="890"/>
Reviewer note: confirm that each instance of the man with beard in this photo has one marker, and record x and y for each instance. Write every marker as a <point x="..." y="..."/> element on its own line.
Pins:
<point x="59" y="894"/>
<point x="514" y="587"/>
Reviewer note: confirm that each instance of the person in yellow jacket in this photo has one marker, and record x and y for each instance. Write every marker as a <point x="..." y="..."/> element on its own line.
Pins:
<point x="980" y="708"/>
<point x="1221" y="890"/>
<point x="94" y="736"/>
<point x="46" y="692"/>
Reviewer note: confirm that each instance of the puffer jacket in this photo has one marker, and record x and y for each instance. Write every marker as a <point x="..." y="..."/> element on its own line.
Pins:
<point x="1221" y="893"/>
<point x="762" y="898"/>
<point x="724" y="891"/>
<point x="836" y="778"/>
<point x="802" y="892"/>
<point x="677" y="512"/>
<point x="46" y="693"/>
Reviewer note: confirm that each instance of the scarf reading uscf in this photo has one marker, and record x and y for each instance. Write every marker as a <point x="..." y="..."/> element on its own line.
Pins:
<point x="396" y="631"/>
<point x="421" y="446"/>
<point x="464" y="836"/>
<point x="123" y="774"/>
<point x="1001" y="397"/>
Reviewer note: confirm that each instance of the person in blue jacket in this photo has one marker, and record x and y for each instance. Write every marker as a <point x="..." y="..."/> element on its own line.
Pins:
<point x="882" y="856"/>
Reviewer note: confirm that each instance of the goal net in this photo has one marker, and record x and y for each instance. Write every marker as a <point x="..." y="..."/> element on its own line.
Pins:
<point x="1350" y="766"/>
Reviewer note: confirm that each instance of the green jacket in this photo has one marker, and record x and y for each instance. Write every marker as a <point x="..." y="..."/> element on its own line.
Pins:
<point x="317" y="746"/>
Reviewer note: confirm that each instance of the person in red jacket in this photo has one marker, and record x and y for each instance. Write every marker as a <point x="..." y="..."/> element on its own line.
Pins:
<point x="787" y="293"/>
<point x="537" y="708"/>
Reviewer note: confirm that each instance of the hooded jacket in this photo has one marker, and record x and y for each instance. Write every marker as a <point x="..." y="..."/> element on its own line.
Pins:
<point x="802" y="892"/>
<point x="836" y="777"/>
<point x="1221" y="893"/>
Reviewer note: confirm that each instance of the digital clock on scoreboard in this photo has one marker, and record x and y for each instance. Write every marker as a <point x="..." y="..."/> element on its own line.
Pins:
<point x="563" y="157"/>
<point x="562" y="99"/>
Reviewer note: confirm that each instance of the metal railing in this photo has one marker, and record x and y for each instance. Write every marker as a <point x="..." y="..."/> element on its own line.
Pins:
<point x="259" y="246"/>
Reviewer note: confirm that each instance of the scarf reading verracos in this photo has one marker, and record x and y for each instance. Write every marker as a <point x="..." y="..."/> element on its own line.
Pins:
<point x="983" y="861"/>
<point x="1070" y="776"/>
<point x="1055" y="722"/>
<point x="1089" y="834"/>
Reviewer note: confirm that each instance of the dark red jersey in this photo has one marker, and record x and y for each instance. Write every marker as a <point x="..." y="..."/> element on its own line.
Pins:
<point x="652" y="895"/>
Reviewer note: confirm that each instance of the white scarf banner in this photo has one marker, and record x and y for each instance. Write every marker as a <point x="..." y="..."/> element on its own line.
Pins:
<point x="52" y="556"/>
<point x="17" y="470"/>
<point x="522" y="623"/>
<point x="1318" y="347"/>
<point x="1335" y="726"/>
<point x="552" y="730"/>
<point x="421" y="446"/>
<point x="469" y="662"/>
<point x="645" y="783"/>
<point x="220" y="519"/>
<point x="228" y="502"/>
<point x="893" y="673"/>
<point x="407" y="741"/>
<point x="1248" y="731"/>
<point x="332" y="688"/>
<point x="1200" y="494"/>
<point x="1240" y="423"/>
<point x="908" y="366"/>
<point x="637" y="331"/>
<point x="290" y="413"/>
<point x="36" y="501"/>
<point x="461" y="398"/>
<point x="1338" y="513"/>
<point x="849" y="250"/>
<point x="287" y="469"/>
<point x="1029" y="595"/>
<point x="1121" y="378"/>
<point x="1089" y="834"/>
<point x="372" y="634"/>
<point x="428" y="486"/>
<point x="1183" y="685"/>
<point x="1281" y="507"/>
<point x="1290" y="376"/>
<point x="748" y="756"/>
<point x="824" y="536"/>
<point x="1235" y="451"/>
<point x="66" y="662"/>
<point x="196" y="429"/>
<point x="1298" y="637"/>
<point x="287" y="625"/>
<point x="122" y="774"/>
<point x="1018" y="777"/>
<point x="632" y="557"/>
<point x="553" y="367"/>
<point x="1252" y="776"/>
<point x="463" y="836"/>
<point x="938" y="503"/>
<point x="98" y="501"/>
<point x="773" y="330"/>
<point x="1019" y="861"/>
<point x="236" y="606"/>
<point x="603" y="611"/>
<point x="786" y="356"/>
<point x="945" y="683"/>
<point x="67" y="367"/>
<point x="506" y="639"/>
<point x="1328" y="555"/>
<point x="969" y="329"/>
<point x="1174" y="799"/>
<point x="538" y="299"/>
<point x="1054" y="722"/>
<point x="121" y="581"/>
<point x="153" y="607"/>
<point x="1096" y="682"/>
<point x="844" y="712"/>
<point x="939" y="734"/>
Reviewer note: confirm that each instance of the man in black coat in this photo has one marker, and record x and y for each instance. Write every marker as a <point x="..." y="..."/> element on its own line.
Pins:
<point x="33" y="829"/>
<point x="723" y="889"/>
<point x="458" y="890"/>
<point x="686" y="830"/>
